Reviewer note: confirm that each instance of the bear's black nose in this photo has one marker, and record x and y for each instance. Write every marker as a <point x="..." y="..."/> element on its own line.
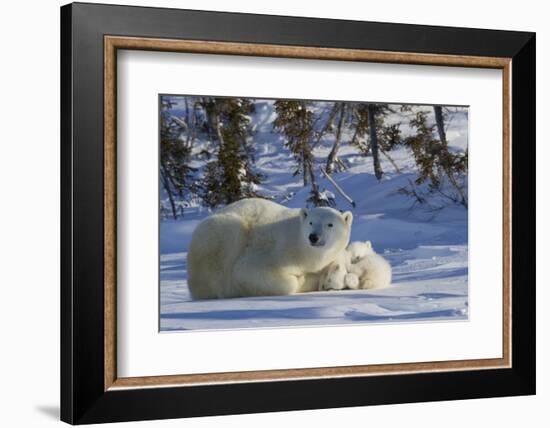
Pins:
<point x="313" y="238"/>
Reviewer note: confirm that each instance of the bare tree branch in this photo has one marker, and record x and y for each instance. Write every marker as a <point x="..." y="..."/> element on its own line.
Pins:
<point x="338" y="188"/>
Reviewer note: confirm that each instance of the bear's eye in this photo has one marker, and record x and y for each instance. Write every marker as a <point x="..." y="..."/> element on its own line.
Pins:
<point x="310" y="223"/>
<point x="330" y="225"/>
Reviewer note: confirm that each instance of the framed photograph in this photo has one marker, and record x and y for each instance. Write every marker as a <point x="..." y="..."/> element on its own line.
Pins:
<point x="266" y="213"/>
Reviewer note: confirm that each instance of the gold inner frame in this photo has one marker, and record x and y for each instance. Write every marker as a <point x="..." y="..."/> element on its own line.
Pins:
<point x="113" y="43"/>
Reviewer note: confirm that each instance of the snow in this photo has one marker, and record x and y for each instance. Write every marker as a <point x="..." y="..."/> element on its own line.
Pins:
<point x="426" y="245"/>
<point x="430" y="283"/>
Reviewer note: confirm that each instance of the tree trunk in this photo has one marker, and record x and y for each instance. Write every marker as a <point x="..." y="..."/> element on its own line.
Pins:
<point x="373" y="137"/>
<point x="192" y="133"/>
<point x="332" y="155"/>
<point x="314" y="186"/>
<point x="213" y="120"/>
<point x="312" y="178"/>
<point x="218" y="128"/>
<point x="328" y="123"/>
<point x="163" y="174"/>
<point x="304" y="142"/>
<point x="438" y="111"/>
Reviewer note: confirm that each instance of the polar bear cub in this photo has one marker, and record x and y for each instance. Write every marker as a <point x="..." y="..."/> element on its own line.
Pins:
<point x="372" y="269"/>
<point x="336" y="276"/>
<point x="359" y="267"/>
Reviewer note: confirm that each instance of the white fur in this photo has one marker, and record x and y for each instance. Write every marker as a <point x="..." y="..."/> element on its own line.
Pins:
<point x="359" y="267"/>
<point x="357" y="250"/>
<point x="351" y="281"/>
<point x="333" y="277"/>
<point x="372" y="269"/>
<point x="255" y="247"/>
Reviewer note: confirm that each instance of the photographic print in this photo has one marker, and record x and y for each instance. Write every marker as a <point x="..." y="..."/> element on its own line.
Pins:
<point x="300" y="206"/>
<point x="291" y="212"/>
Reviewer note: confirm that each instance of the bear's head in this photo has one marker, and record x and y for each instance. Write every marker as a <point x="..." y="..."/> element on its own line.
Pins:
<point x="357" y="250"/>
<point x="326" y="229"/>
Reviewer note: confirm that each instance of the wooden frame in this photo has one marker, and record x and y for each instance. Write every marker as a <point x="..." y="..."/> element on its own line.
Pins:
<point x="513" y="53"/>
<point x="113" y="43"/>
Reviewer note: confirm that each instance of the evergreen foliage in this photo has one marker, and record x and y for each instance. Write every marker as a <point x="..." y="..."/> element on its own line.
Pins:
<point x="222" y="168"/>
<point x="340" y="114"/>
<point x="372" y="135"/>
<point x="231" y="175"/>
<point x="435" y="162"/>
<point x="296" y="121"/>
<point x="176" y="175"/>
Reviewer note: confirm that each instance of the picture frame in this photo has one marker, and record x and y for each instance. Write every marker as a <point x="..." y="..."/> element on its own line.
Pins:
<point x="91" y="390"/>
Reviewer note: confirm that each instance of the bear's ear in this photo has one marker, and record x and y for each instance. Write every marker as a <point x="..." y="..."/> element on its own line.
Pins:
<point x="303" y="213"/>
<point x="348" y="217"/>
<point x="368" y="244"/>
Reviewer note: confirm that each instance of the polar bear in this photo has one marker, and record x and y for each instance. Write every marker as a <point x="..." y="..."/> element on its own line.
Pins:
<point x="255" y="247"/>
<point x="336" y="276"/>
<point x="358" y="267"/>
<point x="372" y="269"/>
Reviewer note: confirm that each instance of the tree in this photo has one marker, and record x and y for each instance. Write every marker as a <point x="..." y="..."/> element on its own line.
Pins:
<point x="176" y="175"/>
<point x="231" y="175"/>
<point x="450" y="162"/>
<point x="340" y="109"/>
<point x="296" y="121"/>
<point x="372" y="110"/>
<point x="435" y="162"/>
<point x="369" y="120"/>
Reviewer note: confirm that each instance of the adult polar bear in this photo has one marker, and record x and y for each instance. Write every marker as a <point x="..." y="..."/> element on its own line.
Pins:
<point x="254" y="247"/>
